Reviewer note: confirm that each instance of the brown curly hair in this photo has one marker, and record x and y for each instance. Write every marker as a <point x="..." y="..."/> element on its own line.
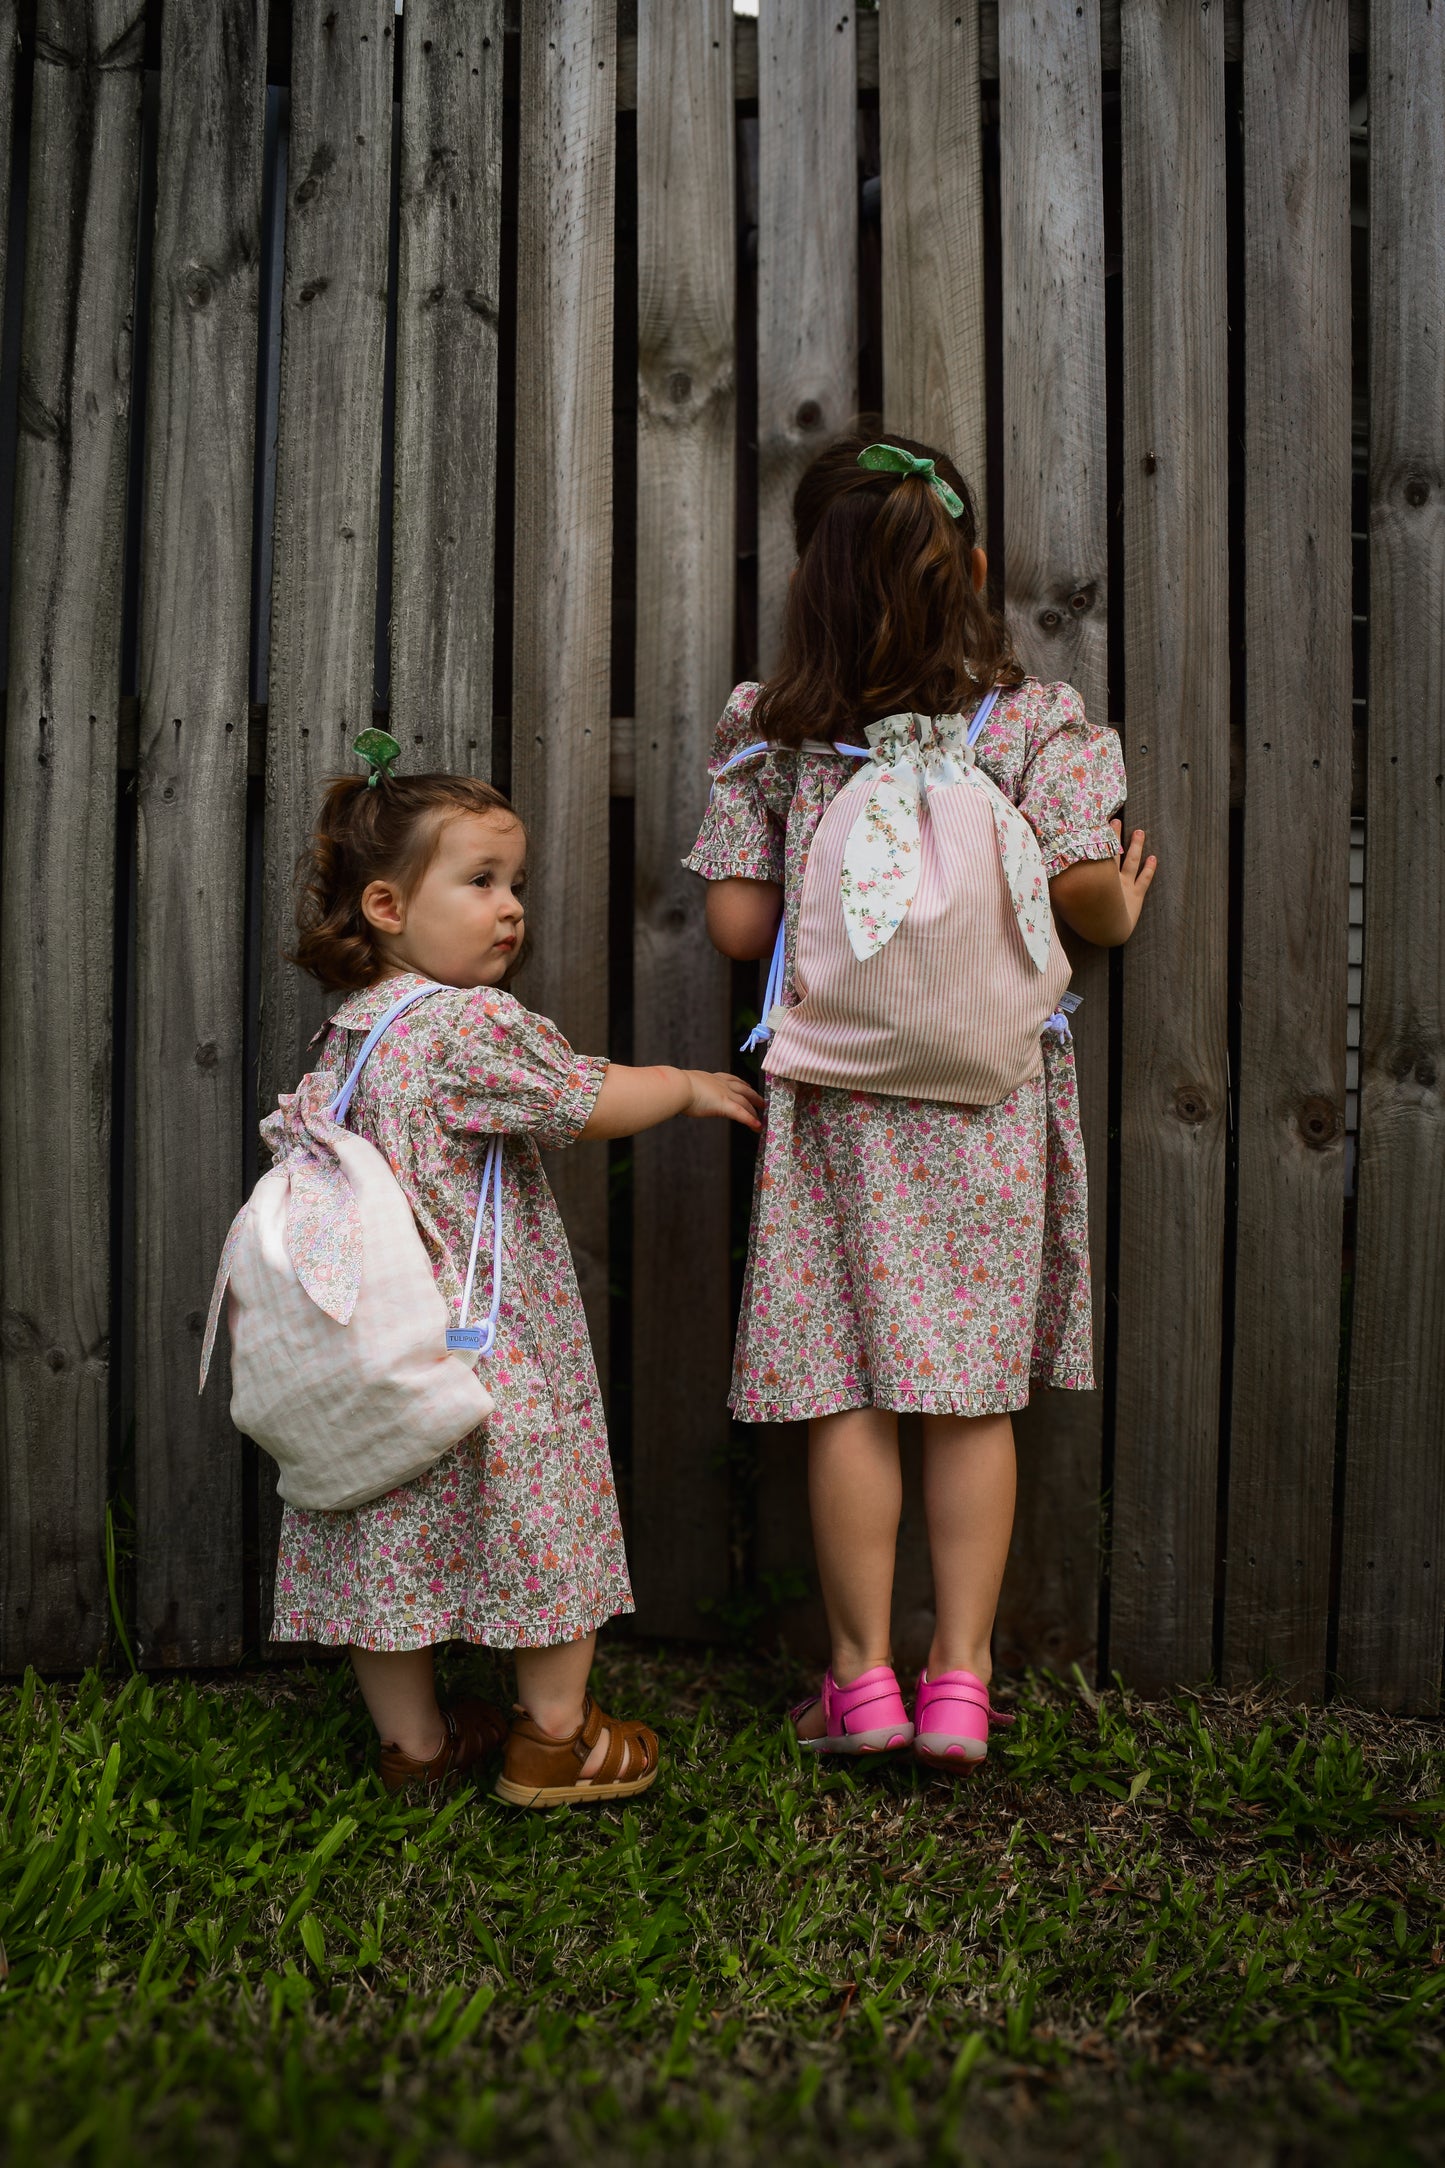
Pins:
<point x="882" y="617"/>
<point x="389" y="833"/>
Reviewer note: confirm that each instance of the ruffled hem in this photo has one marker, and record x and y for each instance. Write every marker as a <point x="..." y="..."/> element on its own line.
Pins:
<point x="903" y="1400"/>
<point x="413" y="1633"/>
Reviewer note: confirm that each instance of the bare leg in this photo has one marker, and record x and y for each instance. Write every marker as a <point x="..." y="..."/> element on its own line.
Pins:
<point x="855" y="1492"/>
<point x="968" y="1496"/>
<point x="399" y="1688"/>
<point x="550" y="1686"/>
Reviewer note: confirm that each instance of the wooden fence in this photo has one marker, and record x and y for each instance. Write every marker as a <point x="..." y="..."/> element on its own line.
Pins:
<point x="462" y="364"/>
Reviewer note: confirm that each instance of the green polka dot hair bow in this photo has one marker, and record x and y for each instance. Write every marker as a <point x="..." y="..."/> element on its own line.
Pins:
<point x="888" y="459"/>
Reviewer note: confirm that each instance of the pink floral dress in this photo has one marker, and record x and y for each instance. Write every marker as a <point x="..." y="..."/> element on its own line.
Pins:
<point x="911" y="1253"/>
<point x="512" y="1538"/>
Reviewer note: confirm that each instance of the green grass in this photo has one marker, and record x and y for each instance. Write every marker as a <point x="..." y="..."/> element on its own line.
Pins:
<point x="1201" y="1930"/>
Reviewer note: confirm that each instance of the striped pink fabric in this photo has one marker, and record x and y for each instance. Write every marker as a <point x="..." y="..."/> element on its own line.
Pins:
<point x="953" y="1006"/>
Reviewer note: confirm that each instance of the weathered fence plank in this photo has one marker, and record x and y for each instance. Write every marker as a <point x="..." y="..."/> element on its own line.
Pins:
<point x="562" y="582"/>
<point x="1175" y="1044"/>
<point x="686" y="422"/>
<point x="933" y="309"/>
<point x="1296" y="840"/>
<point x="807" y="267"/>
<point x="190" y="915"/>
<point x="448" y="276"/>
<point x="56" y="919"/>
<point x="1392" y="1598"/>
<point x="328" y="485"/>
<point x="1050" y="108"/>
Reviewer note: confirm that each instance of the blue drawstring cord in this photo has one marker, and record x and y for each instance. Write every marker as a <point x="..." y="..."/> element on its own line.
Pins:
<point x="465" y="1339"/>
<point x="462" y="1338"/>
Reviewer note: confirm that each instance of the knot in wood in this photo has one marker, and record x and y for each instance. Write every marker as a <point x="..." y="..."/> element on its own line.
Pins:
<point x="199" y="285"/>
<point x="679" y="386"/>
<point x="1417" y="491"/>
<point x="809" y="414"/>
<point x="1191" y="1105"/>
<point x="1319" y="1121"/>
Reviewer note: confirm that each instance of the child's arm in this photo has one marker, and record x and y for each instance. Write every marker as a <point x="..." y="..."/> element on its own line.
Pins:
<point x="634" y="1099"/>
<point x="742" y="917"/>
<point x="1102" y="898"/>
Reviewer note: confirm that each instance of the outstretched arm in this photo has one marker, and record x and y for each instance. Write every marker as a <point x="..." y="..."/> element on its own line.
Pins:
<point x="1101" y="899"/>
<point x="634" y="1099"/>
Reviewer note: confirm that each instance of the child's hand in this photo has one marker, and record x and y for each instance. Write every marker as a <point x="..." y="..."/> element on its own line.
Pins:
<point x="716" y="1092"/>
<point x="1135" y="872"/>
<point x="1101" y="898"/>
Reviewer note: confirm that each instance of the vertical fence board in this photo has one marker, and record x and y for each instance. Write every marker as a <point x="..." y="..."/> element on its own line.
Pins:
<point x="1296" y="839"/>
<point x="933" y="328"/>
<point x="190" y="931"/>
<point x="328" y="465"/>
<point x="1392" y="1606"/>
<point x="328" y="487"/>
<point x="448" y="277"/>
<point x="686" y="400"/>
<point x="807" y="267"/>
<point x="1175" y="1056"/>
<point x="57" y="917"/>
<point x="561" y="655"/>
<point x="1050" y="121"/>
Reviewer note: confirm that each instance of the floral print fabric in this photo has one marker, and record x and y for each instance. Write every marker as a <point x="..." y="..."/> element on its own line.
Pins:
<point x="909" y="1253"/>
<point x="912" y="755"/>
<point x="512" y="1539"/>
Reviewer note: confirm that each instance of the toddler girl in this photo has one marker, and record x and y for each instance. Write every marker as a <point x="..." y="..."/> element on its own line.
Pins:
<point x="512" y="1538"/>
<point x="910" y="1249"/>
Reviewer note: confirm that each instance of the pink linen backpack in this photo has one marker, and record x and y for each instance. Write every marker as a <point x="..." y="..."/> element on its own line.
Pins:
<point x="927" y="964"/>
<point x="342" y="1365"/>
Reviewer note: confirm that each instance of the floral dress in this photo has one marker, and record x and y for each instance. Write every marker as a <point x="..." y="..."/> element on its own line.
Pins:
<point x="913" y="1253"/>
<point x="513" y="1537"/>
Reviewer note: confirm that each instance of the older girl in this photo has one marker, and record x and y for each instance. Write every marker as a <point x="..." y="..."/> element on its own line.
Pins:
<point x="911" y="1249"/>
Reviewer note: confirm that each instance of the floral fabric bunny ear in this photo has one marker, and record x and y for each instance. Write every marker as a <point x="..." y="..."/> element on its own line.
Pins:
<point x="890" y="459"/>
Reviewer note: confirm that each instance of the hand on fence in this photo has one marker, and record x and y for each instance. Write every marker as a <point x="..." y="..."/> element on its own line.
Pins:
<point x="1135" y="872"/>
<point x="1102" y="898"/>
<point x="715" y="1092"/>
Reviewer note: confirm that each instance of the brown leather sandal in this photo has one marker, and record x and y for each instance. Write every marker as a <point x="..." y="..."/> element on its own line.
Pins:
<point x="474" y="1729"/>
<point x="538" y="1771"/>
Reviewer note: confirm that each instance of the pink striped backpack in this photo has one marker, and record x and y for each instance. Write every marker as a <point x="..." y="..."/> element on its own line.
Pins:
<point x="927" y="963"/>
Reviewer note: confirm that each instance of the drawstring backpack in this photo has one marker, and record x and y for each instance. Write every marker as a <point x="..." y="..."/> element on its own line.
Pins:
<point x="927" y="965"/>
<point x="343" y="1368"/>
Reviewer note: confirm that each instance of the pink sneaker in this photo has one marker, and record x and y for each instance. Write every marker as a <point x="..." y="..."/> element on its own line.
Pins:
<point x="866" y="1717"/>
<point x="953" y="1717"/>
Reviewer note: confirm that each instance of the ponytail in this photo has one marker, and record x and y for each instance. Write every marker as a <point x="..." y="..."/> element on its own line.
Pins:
<point x="882" y="616"/>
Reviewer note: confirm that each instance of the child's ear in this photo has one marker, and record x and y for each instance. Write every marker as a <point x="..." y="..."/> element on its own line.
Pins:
<point x="382" y="907"/>
<point x="978" y="570"/>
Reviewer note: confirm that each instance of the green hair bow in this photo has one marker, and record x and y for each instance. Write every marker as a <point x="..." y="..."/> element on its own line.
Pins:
<point x="380" y="751"/>
<point x="888" y="459"/>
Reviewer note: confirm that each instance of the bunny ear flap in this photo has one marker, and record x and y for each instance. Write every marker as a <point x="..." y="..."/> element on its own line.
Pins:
<point x="323" y="1233"/>
<point x="223" y="1281"/>
<point x="882" y="856"/>
<point x="1023" y="871"/>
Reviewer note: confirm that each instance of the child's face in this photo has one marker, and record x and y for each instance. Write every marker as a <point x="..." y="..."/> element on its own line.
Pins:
<point x="462" y="924"/>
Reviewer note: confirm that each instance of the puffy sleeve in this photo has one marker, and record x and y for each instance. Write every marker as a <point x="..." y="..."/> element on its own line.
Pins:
<point x="740" y="838"/>
<point x="1072" y="781"/>
<point x="499" y="1068"/>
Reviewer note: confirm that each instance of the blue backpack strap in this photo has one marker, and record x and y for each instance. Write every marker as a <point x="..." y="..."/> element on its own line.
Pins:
<point x="340" y="1104"/>
<point x="982" y="713"/>
<point x="481" y="1339"/>
<point x="462" y="1338"/>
